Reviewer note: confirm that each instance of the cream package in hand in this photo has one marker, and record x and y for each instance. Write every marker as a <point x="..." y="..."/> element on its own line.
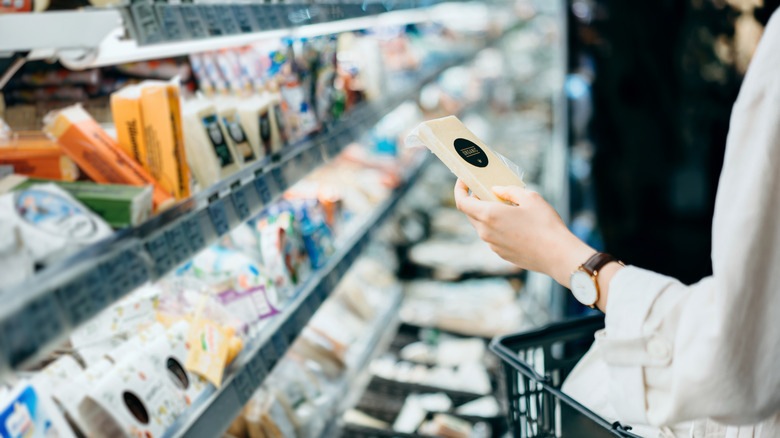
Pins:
<point x="466" y="156"/>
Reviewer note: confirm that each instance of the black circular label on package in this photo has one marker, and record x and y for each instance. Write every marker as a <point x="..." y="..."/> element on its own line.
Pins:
<point x="470" y="152"/>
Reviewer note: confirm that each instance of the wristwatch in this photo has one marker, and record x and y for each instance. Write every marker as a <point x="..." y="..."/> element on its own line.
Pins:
<point x="584" y="281"/>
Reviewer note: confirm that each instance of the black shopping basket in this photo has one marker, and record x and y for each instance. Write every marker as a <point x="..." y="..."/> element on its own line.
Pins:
<point x="535" y="365"/>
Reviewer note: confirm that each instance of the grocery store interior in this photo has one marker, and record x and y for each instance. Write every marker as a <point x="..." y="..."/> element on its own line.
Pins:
<point x="214" y="221"/>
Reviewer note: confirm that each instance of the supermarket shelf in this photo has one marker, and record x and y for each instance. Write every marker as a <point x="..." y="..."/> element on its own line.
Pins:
<point x="146" y="30"/>
<point x="360" y="374"/>
<point x="212" y="414"/>
<point x="39" y="313"/>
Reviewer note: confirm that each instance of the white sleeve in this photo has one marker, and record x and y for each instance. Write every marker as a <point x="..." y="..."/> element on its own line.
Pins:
<point x="712" y="349"/>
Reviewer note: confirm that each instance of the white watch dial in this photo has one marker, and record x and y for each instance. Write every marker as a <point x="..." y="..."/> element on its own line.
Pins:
<point x="583" y="288"/>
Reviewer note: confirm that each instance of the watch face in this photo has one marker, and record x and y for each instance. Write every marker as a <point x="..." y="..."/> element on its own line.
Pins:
<point x="583" y="288"/>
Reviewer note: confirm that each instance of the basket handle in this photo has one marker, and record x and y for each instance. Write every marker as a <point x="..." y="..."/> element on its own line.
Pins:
<point x="508" y="355"/>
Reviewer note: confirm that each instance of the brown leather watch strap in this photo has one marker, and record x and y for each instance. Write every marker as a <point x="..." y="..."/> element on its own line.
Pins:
<point x="597" y="261"/>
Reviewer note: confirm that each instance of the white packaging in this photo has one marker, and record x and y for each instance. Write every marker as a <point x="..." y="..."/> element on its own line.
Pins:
<point x="257" y="121"/>
<point x="210" y="155"/>
<point x="52" y="224"/>
<point x="27" y="412"/>
<point x="230" y="120"/>
<point x="16" y="263"/>
<point x="133" y="399"/>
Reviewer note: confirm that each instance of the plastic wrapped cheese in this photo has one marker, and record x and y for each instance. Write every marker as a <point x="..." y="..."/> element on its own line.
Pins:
<point x="466" y="156"/>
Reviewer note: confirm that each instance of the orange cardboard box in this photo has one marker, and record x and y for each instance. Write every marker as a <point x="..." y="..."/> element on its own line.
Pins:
<point x="35" y="155"/>
<point x="97" y="154"/>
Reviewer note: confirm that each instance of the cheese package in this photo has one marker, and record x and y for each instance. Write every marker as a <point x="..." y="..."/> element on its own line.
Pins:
<point x="97" y="154"/>
<point x="211" y="157"/>
<point x="129" y="122"/>
<point x="465" y="155"/>
<point x="256" y="118"/>
<point x="51" y="224"/>
<point x="234" y="133"/>
<point x="119" y="205"/>
<point x="33" y="154"/>
<point x="134" y="398"/>
<point x="29" y="413"/>
<point x="166" y="158"/>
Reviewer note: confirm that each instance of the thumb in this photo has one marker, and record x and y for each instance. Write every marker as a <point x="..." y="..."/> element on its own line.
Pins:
<point x="513" y="194"/>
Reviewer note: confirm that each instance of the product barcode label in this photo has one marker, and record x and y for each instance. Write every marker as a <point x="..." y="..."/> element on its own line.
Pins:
<point x="260" y="14"/>
<point x="194" y="234"/>
<point x="225" y="15"/>
<point x="177" y="242"/>
<point x="240" y="202"/>
<point x="193" y="21"/>
<point x="219" y="217"/>
<point x="146" y="25"/>
<point x="263" y="190"/>
<point x="244" y="386"/>
<point x="213" y="25"/>
<point x="158" y="250"/>
<point x="172" y="21"/>
<point x="278" y="177"/>
<point x="75" y="301"/>
<point x="243" y="16"/>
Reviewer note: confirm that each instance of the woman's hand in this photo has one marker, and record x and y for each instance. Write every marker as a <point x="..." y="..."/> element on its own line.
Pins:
<point x="529" y="234"/>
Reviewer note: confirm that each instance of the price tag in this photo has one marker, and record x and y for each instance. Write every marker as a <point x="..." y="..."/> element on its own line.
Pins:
<point x="177" y="243"/>
<point x="243" y="16"/>
<point x="194" y="234"/>
<point x="173" y="26"/>
<point x="244" y="386"/>
<point x="136" y="268"/>
<point x="219" y="217"/>
<point x="292" y="327"/>
<point x="278" y="177"/>
<point x="75" y="302"/>
<point x="225" y="15"/>
<point x="145" y="22"/>
<point x="278" y="339"/>
<point x="44" y="321"/>
<point x="96" y="283"/>
<point x="213" y="25"/>
<point x="260" y="14"/>
<point x="261" y="185"/>
<point x="274" y="18"/>
<point x="256" y="368"/>
<point x="240" y="202"/>
<point x="115" y="275"/>
<point x="270" y="355"/>
<point x="193" y="21"/>
<point x="157" y="247"/>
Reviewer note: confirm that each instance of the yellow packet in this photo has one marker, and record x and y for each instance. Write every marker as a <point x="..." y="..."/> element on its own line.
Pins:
<point x="209" y="345"/>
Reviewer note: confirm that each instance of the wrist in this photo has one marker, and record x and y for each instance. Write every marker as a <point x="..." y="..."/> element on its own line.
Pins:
<point x="572" y="252"/>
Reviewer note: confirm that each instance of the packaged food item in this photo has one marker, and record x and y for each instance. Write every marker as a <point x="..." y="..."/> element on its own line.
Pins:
<point x="167" y="159"/>
<point x="210" y="347"/>
<point x="119" y="205"/>
<point x="27" y="412"/>
<point x="133" y="399"/>
<point x="35" y="155"/>
<point x="466" y="156"/>
<point x="51" y="223"/>
<point x="360" y="418"/>
<point x="232" y="127"/>
<point x="97" y="154"/>
<point x="257" y="119"/>
<point x="447" y="426"/>
<point x="211" y="156"/>
<point x="129" y="122"/>
<point x="16" y="261"/>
